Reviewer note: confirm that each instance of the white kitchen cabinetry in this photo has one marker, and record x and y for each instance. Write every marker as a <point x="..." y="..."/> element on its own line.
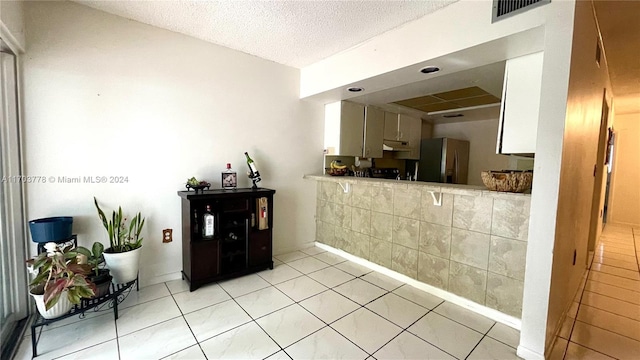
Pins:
<point x="353" y="130"/>
<point x="403" y="134"/>
<point x="390" y="126"/>
<point x="518" y="127"/>
<point x="373" y="131"/>
<point x="410" y="130"/>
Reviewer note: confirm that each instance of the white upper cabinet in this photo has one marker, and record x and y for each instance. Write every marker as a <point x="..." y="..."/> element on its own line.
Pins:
<point x="518" y="128"/>
<point x="409" y="131"/>
<point x="403" y="134"/>
<point x="373" y="132"/>
<point x="353" y="130"/>
<point x="391" y="131"/>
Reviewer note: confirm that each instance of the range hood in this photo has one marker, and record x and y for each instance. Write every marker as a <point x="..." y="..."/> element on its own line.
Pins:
<point x="392" y="145"/>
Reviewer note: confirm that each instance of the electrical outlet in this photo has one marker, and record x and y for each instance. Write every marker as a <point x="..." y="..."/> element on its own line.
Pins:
<point x="167" y="235"/>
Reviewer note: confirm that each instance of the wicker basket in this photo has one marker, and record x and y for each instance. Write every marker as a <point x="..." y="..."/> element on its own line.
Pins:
<point x="507" y="180"/>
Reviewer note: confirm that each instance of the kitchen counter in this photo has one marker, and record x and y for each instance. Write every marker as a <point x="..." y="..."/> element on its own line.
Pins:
<point x="460" y="189"/>
<point x="464" y="239"/>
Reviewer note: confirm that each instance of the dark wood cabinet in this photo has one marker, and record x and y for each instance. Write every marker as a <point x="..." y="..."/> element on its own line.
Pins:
<point x="238" y="246"/>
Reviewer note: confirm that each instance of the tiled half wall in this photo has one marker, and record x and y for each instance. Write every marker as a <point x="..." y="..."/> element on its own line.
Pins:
<point x="474" y="245"/>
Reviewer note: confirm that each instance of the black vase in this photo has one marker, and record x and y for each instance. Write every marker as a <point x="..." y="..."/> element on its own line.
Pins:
<point x="102" y="282"/>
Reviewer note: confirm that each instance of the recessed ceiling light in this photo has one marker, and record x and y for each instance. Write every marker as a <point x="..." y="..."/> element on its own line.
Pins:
<point x="429" y="69"/>
<point x="355" y="89"/>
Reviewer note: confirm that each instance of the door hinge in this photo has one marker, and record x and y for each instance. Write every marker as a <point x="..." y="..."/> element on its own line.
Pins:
<point x="595" y="168"/>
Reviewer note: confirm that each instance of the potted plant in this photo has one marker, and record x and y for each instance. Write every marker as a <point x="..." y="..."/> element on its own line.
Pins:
<point x="60" y="281"/>
<point x="99" y="276"/>
<point x="123" y="255"/>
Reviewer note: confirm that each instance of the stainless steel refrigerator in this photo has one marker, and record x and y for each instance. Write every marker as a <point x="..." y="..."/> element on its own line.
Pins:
<point x="444" y="160"/>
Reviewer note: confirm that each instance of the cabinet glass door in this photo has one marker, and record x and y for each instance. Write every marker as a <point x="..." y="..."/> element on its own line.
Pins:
<point x="233" y="233"/>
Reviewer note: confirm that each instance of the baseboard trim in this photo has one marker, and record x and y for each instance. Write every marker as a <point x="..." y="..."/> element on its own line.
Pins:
<point x="450" y="297"/>
<point x="527" y="354"/>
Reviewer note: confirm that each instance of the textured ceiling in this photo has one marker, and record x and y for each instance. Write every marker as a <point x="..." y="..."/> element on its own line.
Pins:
<point x="295" y="33"/>
<point x="620" y="27"/>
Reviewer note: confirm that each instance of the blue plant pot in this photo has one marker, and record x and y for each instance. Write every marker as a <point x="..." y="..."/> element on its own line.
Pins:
<point x="51" y="229"/>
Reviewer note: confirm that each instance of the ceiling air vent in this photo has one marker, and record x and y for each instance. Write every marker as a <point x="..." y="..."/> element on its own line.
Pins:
<point x="506" y="8"/>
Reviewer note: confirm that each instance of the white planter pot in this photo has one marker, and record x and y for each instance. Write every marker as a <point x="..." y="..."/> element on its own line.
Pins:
<point x="123" y="266"/>
<point x="60" y="308"/>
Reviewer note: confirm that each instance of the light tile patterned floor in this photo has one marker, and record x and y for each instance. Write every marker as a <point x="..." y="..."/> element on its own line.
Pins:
<point x="604" y="322"/>
<point x="312" y="305"/>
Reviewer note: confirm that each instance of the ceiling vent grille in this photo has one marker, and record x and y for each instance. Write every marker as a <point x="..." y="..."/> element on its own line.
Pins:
<point x="506" y="8"/>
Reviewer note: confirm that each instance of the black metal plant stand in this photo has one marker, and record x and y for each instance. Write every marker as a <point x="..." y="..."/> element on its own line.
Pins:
<point x="117" y="294"/>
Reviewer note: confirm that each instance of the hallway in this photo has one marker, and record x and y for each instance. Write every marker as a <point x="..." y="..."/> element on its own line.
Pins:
<point x="604" y="321"/>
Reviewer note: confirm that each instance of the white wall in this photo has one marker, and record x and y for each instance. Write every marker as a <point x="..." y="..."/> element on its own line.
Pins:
<point x="106" y="96"/>
<point x="624" y="201"/>
<point x="12" y="24"/>
<point x="482" y="136"/>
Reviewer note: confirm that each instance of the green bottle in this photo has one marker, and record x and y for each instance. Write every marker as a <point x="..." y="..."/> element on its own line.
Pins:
<point x="252" y="167"/>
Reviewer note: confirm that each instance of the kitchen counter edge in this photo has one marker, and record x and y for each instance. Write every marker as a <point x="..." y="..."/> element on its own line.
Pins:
<point x="456" y="189"/>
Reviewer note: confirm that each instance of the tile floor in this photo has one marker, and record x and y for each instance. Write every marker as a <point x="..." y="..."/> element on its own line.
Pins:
<point x="312" y="305"/>
<point x="604" y="321"/>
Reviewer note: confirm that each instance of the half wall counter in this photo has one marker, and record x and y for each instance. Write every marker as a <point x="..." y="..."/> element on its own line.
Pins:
<point x="463" y="239"/>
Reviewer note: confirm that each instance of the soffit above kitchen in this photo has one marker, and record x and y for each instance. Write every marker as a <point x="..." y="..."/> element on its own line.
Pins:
<point x="294" y="33"/>
<point x="468" y="95"/>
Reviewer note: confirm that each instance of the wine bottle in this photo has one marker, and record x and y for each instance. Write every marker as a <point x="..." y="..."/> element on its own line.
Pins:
<point x="229" y="178"/>
<point x="208" y="222"/>
<point x="252" y="167"/>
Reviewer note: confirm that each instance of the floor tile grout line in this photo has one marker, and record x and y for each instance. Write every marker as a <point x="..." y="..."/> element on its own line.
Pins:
<point x="475" y="346"/>
<point x="618" y="267"/>
<point x="418" y="336"/>
<point x="609" y="312"/>
<point x="458" y="322"/>
<point x="253" y="320"/>
<point x="625" y="277"/>
<point x="614" y="285"/>
<point x="82" y="349"/>
<point x="618" y="276"/>
<point x="612" y="297"/>
<point x="189" y="326"/>
<point x="587" y="347"/>
<point x="605" y="329"/>
<point x="608" y="253"/>
<point x="604" y="267"/>
<point x="613" y="250"/>
<point x="406" y="329"/>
